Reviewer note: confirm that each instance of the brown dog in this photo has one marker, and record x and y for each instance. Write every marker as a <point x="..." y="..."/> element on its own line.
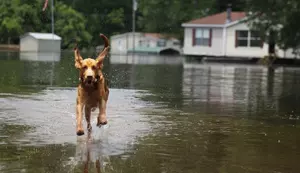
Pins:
<point x="92" y="90"/>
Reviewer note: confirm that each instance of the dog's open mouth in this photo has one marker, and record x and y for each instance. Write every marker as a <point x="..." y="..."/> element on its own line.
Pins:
<point x="89" y="82"/>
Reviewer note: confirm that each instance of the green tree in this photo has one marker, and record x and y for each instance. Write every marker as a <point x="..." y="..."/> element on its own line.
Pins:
<point x="10" y="21"/>
<point x="265" y="16"/>
<point x="21" y="16"/>
<point x="71" y="25"/>
<point x="30" y="13"/>
<point x="167" y="16"/>
<point x="221" y="5"/>
<point x="104" y="16"/>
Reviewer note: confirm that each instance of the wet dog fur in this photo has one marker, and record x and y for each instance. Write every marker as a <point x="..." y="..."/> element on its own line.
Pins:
<point x="92" y="91"/>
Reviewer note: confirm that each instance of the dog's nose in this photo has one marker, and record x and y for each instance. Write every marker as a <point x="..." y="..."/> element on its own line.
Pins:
<point x="89" y="78"/>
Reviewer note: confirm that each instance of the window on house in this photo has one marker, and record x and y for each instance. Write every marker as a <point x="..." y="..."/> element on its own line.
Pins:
<point x="255" y="40"/>
<point x="245" y="38"/>
<point x="242" y="38"/>
<point x="202" y="37"/>
<point x="176" y="43"/>
<point x="161" y="43"/>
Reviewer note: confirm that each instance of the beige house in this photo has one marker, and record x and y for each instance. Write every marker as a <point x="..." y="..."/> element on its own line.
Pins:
<point x="225" y="35"/>
<point x="150" y="43"/>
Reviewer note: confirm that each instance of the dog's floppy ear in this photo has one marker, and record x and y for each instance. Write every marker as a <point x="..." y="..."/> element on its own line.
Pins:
<point x="104" y="52"/>
<point x="78" y="58"/>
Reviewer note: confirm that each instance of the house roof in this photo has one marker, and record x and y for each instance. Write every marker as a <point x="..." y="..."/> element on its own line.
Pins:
<point x="218" y="19"/>
<point x="158" y="36"/>
<point x="138" y="34"/>
<point x="154" y="35"/>
<point x="42" y="36"/>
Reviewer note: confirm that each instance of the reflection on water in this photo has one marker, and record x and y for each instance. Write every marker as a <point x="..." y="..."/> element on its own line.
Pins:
<point x="164" y="115"/>
<point x="145" y="59"/>
<point x="40" y="56"/>
<point x="85" y="151"/>
<point x="39" y="73"/>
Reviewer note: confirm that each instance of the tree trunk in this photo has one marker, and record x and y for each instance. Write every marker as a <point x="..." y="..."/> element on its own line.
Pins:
<point x="271" y="43"/>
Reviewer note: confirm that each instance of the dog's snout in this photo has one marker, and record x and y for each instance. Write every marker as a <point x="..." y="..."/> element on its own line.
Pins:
<point x="89" y="78"/>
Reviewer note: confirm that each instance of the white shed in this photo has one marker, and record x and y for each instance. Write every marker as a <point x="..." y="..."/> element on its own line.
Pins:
<point x="40" y="42"/>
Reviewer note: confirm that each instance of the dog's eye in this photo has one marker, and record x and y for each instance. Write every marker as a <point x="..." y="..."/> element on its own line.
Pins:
<point x="94" y="67"/>
<point x="84" y="67"/>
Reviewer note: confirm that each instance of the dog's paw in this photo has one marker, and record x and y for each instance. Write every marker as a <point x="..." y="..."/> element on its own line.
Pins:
<point x="80" y="132"/>
<point x="101" y="120"/>
<point x="103" y="123"/>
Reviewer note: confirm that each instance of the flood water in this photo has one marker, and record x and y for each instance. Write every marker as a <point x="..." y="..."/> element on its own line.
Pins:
<point x="165" y="115"/>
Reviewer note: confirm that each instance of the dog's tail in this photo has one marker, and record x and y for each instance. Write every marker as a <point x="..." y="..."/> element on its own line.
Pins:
<point x="104" y="52"/>
<point x="106" y="42"/>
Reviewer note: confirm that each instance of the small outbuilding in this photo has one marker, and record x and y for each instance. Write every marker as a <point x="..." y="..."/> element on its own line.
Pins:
<point x="40" y="42"/>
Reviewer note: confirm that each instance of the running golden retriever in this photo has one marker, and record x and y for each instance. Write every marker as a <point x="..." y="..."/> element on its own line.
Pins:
<point x="92" y="91"/>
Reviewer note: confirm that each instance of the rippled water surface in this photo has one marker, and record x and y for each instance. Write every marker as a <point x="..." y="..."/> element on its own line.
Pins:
<point x="165" y="115"/>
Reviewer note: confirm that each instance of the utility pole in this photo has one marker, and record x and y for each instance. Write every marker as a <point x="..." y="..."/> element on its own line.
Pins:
<point x="52" y="17"/>
<point x="52" y="31"/>
<point x="134" y="8"/>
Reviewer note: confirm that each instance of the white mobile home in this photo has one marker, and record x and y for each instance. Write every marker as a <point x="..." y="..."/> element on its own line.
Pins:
<point x="226" y="35"/>
<point x="143" y="43"/>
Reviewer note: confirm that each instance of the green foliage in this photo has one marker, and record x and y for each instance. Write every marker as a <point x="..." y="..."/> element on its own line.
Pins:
<point x="167" y="16"/>
<point x="21" y="16"/>
<point x="10" y="22"/>
<point x="266" y="17"/>
<point x="71" y="25"/>
<point x="104" y="16"/>
<point x="221" y="5"/>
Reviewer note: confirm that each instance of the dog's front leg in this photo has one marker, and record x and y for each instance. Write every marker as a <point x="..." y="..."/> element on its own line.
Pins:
<point x="101" y="120"/>
<point x="79" y="109"/>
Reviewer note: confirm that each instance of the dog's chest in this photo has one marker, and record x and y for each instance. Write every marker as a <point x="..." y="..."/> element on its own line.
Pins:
<point x="92" y="99"/>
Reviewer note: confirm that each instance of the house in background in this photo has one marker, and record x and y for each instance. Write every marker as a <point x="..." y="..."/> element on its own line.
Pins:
<point x="149" y="43"/>
<point x="225" y="35"/>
